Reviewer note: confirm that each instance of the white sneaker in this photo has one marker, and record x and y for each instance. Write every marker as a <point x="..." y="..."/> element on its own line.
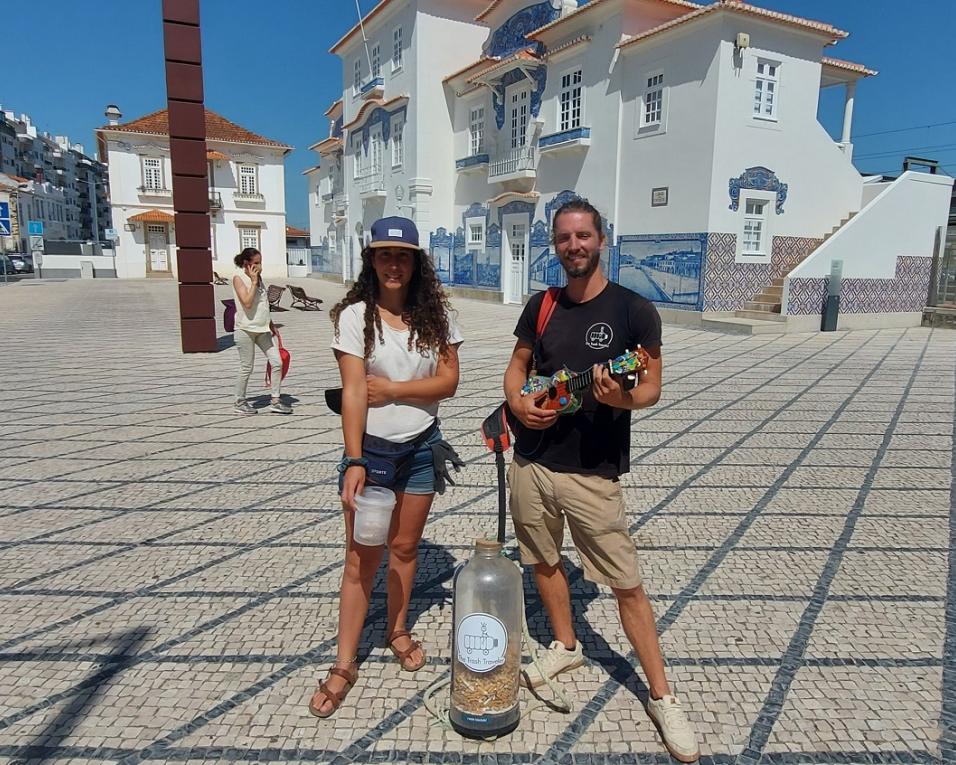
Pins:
<point x="676" y="731"/>
<point x="553" y="661"/>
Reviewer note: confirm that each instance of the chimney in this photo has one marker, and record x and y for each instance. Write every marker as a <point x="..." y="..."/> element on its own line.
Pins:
<point x="113" y="114"/>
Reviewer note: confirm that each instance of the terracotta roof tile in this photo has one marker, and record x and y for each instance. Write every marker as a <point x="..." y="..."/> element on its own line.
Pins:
<point x="151" y="216"/>
<point x="213" y="154"/>
<point x="685" y="4"/>
<point x="218" y="128"/>
<point x="367" y="108"/>
<point x="293" y="231"/>
<point x="737" y="6"/>
<point x="850" y="66"/>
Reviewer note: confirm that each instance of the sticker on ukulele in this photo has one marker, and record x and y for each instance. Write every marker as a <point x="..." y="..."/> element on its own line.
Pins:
<point x="561" y="391"/>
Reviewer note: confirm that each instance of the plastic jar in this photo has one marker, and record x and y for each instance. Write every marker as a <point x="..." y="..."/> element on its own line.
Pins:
<point x="373" y="515"/>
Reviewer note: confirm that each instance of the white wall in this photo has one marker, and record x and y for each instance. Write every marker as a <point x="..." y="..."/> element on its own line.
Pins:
<point x="681" y="156"/>
<point x="430" y="126"/>
<point x="824" y="187"/>
<point x="902" y="221"/>
<point x="124" y="152"/>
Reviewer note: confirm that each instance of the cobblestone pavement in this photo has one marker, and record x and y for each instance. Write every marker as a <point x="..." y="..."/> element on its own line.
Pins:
<point x="168" y="570"/>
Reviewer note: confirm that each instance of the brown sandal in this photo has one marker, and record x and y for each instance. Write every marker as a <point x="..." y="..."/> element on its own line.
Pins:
<point x="335" y="698"/>
<point x="403" y="655"/>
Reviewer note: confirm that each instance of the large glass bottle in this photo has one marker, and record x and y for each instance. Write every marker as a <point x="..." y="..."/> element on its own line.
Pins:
<point x="486" y="644"/>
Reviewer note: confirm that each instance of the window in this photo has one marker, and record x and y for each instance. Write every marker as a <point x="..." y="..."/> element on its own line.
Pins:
<point x="248" y="237"/>
<point x="476" y="130"/>
<point x="653" y="113"/>
<point x="398" y="142"/>
<point x="376" y="61"/>
<point x="357" y="156"/>
<point x="396" y="49"/>
<point x="570" y="101"/>
<point x="357" y="76"/>
<point x="152" y="173"/>
<point x="766" y="87"/>
<point x="476" y="234"/>
<point x="247" y="180"/>
<point x="754" y="227"/>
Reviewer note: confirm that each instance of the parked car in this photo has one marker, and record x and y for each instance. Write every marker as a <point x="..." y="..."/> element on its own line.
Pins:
<point x="22" y="264"/>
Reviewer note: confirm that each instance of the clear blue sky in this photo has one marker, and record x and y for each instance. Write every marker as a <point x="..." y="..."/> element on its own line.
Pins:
<point x="267" y="67"/>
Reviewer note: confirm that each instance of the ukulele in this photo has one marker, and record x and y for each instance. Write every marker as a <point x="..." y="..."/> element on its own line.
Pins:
<point x="560" y="392"/>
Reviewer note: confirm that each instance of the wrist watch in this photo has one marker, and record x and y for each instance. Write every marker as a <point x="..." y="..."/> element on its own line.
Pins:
<point x="348" y="462"/>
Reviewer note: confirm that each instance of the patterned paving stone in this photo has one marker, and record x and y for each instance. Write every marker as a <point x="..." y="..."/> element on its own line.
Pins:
<point x="169" y="572"/>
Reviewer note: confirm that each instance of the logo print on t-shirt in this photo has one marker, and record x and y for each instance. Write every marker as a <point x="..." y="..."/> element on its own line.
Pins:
<point x="599" y="336"/>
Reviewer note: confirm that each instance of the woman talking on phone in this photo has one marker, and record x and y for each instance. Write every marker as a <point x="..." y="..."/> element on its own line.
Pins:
<point x="397" y="351"/>
<point x="254" y="328"/>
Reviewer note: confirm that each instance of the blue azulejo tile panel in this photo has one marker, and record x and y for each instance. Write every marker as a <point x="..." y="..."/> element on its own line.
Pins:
<point x="545" y="271"/>
<point x="906" y="293"/>
<point x="464" y="272"/>
<point x="563" y="137"/>
<point x="440" y="245"/>
<point x="474" y="267"/>
<point x="728" y="284"/>
<point x="664" y="268"/>
<point x="488" y="275"/>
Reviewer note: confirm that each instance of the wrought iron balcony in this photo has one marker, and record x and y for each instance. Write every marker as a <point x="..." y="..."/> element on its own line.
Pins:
<point x="519" y="162"/>
<point x="215" y="200"/>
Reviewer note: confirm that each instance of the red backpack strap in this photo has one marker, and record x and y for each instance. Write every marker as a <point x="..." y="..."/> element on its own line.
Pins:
<point x="547" y="308"/>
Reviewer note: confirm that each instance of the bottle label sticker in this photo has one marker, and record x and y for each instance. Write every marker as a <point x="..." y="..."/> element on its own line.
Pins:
<point x="482" y="642"/>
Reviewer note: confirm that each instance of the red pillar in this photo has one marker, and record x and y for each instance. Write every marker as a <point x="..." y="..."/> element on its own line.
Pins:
<point x="187" y="144"/>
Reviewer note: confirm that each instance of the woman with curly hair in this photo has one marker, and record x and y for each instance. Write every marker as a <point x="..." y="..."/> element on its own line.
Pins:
<point x="397" y="350"/>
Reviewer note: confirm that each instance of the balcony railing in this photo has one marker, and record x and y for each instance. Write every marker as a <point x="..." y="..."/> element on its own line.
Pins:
<point x="373" y="88"/>
<point x="151" y="191"/>
<point x="472" y="162"/>
<point x="521" y="160"/>
<point x="215" y="200"/>
<point x="247" y="196"/>
<point x="371" y="185"/>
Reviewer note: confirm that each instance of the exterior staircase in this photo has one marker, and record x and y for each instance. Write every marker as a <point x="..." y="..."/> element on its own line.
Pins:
<point x="765" y="305"/>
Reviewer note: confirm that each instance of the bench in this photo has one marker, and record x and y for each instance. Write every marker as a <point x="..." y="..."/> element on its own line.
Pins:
<point x="299" y="296"/>
<point x="274" y="295"/>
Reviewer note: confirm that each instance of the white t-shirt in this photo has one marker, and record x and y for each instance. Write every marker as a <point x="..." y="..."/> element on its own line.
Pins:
<point x="396" y="421"/>
<point x="255" y="319"/>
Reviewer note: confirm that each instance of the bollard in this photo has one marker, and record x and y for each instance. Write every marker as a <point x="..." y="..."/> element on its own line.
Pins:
<point x="831" y="309"/>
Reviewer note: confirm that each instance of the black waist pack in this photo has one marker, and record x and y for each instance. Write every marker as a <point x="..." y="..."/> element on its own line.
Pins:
<point x="387" y="460"/>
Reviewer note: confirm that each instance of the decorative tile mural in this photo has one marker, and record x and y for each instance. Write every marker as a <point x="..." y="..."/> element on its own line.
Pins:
<point x="903" y="294"/>
<point x="760" y="179"/>
<point x="664" y="268"/>
<point x="728" y="284"/>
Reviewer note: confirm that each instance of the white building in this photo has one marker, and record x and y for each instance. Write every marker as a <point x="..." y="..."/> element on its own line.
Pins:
<point x="246" y="195"/>
<point x="692" y="128"/>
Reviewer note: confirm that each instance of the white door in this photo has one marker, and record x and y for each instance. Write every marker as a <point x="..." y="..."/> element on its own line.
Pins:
<point x="519" y="98"/>
<point x="158" y="246"/>
<point x="516" y="266"/>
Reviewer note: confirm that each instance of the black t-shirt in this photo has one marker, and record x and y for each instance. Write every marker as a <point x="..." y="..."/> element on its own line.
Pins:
<point x="597" y="438"/>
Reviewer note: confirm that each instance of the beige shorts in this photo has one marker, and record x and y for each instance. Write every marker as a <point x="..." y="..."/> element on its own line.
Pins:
<point x="594" y="506"/>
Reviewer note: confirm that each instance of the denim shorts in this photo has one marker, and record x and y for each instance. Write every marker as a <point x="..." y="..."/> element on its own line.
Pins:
<point x="418" y="476"/>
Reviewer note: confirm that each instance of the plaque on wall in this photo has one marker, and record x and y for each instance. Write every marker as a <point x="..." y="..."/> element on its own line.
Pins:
<point x="659" y="197"/>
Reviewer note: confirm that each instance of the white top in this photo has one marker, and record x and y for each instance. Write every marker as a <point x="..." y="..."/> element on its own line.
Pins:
<point x="397" y="421"/>
<point x="255" y="319"/>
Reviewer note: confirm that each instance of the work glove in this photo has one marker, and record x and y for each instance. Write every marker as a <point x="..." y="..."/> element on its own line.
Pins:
<point x="442" y="452"/>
